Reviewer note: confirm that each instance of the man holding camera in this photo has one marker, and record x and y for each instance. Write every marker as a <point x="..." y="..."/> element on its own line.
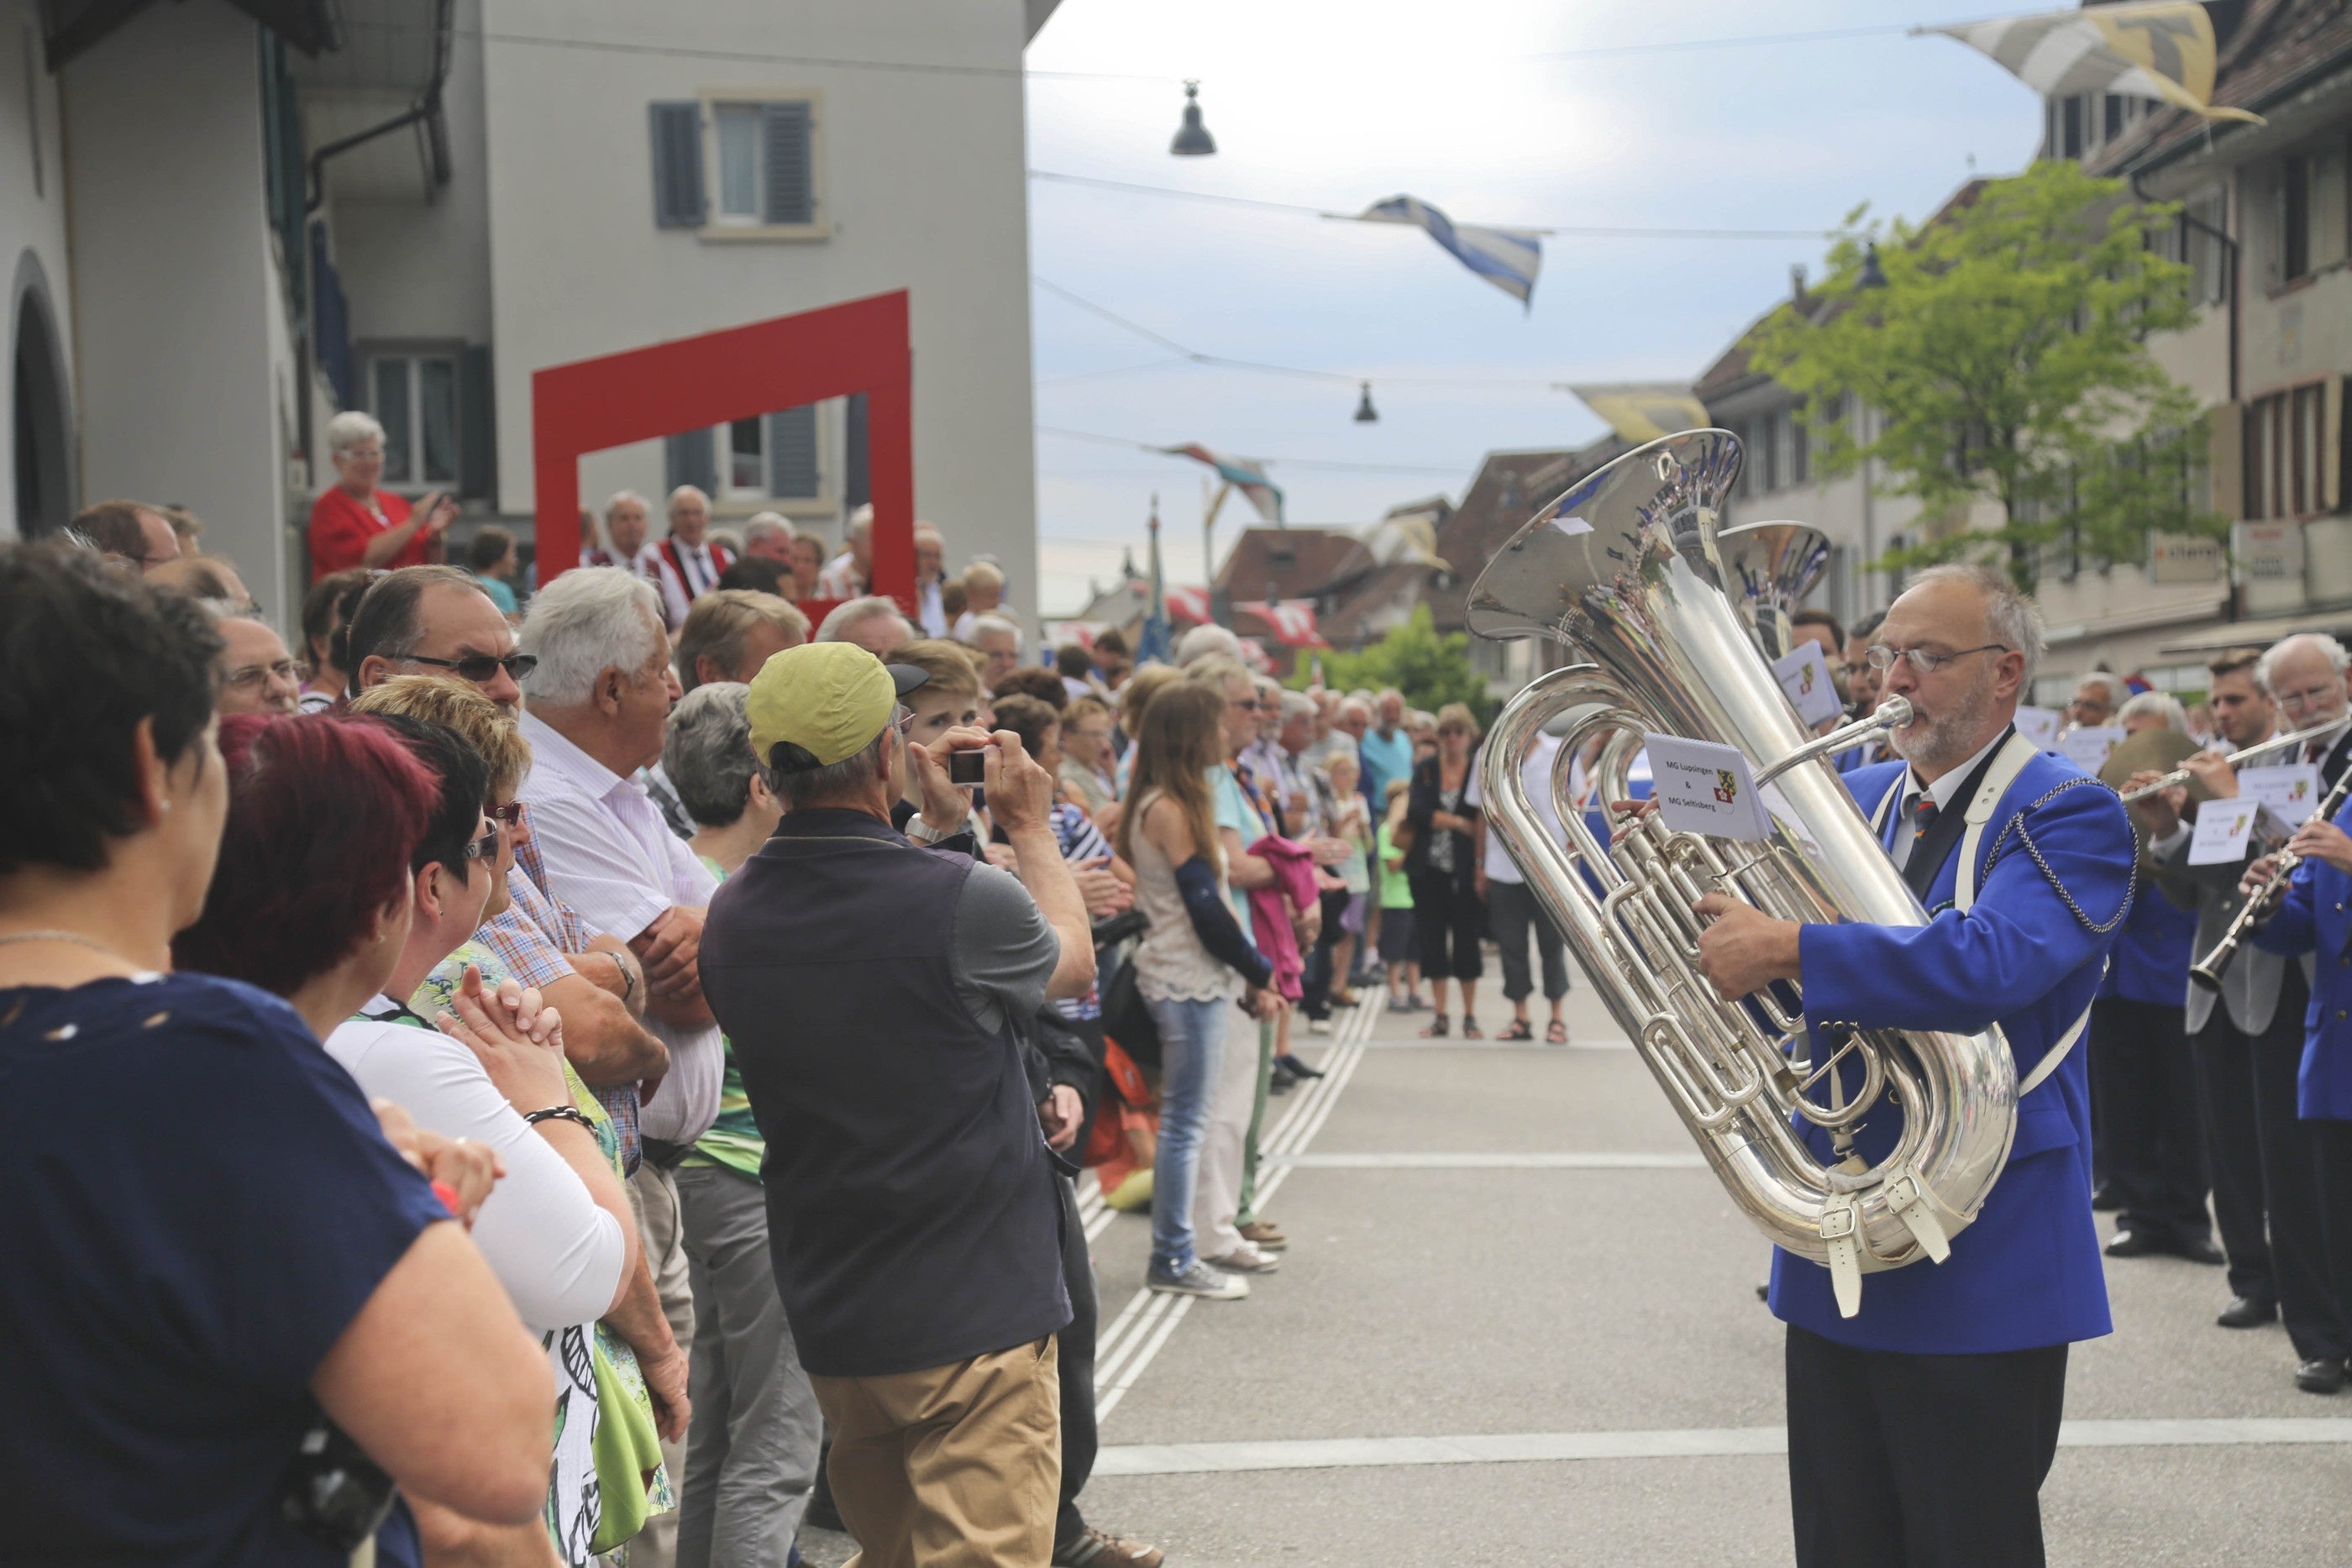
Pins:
<point x="872" y="990"/>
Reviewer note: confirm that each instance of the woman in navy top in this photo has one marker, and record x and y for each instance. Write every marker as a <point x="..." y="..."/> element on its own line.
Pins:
<point x="210" y="1243"/>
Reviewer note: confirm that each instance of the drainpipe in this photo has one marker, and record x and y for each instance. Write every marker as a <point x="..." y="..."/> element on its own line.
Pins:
<point x="425" y="110"/>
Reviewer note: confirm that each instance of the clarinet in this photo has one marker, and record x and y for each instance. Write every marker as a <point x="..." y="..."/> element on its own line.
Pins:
<point x="2207" y="972"/>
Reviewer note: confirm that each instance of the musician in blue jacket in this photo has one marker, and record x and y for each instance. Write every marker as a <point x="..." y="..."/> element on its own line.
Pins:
<point x="2313" y="920"/>
<point x="1921" y="1427"/>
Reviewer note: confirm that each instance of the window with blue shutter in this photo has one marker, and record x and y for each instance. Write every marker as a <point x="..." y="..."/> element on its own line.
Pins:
<point x="790" y="193"/>
<point x="793" y="470"/>
<point x="678" y="165"/>
<point x="691" y="457"/>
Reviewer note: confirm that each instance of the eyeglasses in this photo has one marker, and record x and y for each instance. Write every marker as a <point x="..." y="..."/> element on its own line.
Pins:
<point x="1881" y="658"/>
<point x="1247" y="704"/>
<point x="254" y="675"/>
<point x="481" y="667"/>
<point x="510" y="814"/>
<point x="485" y="848"/>
<point x="903" y="721"/>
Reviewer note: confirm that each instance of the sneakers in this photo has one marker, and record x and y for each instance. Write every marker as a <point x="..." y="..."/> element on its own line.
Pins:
<point x="1265" y="1235"/>
<point x="1097" y="1549"/>
<point x="1247" y="1259"/>
<point x="1200" y="1280"/>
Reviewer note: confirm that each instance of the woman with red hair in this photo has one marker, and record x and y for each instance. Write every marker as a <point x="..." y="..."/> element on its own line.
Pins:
<point x="558" y="1230"/>
<point x="210" y="1239"/>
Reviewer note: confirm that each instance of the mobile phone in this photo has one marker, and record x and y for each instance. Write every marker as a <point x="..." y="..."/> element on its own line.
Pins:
<point x="968" y="768"/>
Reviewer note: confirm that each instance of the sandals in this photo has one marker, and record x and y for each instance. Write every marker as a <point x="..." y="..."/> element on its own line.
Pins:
<point x="1518" y="1028"/>
<point x="1555" y="1032"/>
<point x="1435" y="1028"/>
<point x="1470" y="1029"/>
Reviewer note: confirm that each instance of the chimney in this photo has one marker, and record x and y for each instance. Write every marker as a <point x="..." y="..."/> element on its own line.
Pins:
<point x="1797" y="283"/>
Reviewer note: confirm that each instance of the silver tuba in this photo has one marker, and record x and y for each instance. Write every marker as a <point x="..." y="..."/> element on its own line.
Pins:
<point x="1626" y="571"/>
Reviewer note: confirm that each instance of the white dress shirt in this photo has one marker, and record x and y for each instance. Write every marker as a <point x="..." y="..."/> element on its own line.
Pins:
<point x="1943" y="790"/>
<point x="678" y="594"/>
<point x="839" y="580"/>
<point x="931" y="614"/>
<point x="610" y="856"/>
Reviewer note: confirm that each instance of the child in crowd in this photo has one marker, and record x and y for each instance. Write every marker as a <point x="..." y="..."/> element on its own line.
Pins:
<point x="1396" y="906"/>
<point x="1351" y="820"/>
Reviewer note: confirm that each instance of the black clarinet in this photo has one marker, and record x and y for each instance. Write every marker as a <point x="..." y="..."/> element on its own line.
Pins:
<point x="2207" y="972"/>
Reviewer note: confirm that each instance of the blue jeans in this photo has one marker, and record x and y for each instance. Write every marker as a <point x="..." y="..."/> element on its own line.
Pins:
<point x="1191" y="1037"/>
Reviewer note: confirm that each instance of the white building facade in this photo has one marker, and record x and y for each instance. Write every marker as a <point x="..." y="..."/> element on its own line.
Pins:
<point x="217" y="240"/>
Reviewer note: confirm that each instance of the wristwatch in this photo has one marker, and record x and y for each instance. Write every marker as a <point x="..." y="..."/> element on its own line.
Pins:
<point x="923" y="832"/>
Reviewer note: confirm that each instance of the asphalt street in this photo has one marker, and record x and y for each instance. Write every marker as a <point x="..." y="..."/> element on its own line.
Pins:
<point x="1518" y="1324"/>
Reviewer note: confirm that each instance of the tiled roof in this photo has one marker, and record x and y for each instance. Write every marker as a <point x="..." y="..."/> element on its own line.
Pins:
<point x="1297" y="562"/>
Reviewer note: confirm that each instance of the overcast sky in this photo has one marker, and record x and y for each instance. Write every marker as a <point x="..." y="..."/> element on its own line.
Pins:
<point x="1338" y="104"/>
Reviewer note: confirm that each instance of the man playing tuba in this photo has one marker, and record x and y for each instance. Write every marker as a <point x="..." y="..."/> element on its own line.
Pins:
<point x="1920" y="1429"/>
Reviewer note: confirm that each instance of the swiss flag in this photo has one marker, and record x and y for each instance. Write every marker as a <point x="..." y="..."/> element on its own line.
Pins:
<point x="1292" y="621"/>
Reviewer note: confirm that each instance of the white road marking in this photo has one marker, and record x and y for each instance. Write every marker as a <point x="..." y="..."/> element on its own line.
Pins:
<point x="1127" y="1347"/>
<point x="1518" y="1447"/>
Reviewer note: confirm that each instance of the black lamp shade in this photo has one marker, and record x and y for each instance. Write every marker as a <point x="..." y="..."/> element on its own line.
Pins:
<point x="1365" y="412"/>
<point x="1193" y="138"/>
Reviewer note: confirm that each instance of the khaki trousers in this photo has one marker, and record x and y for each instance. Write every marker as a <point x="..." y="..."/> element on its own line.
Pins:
<point x="952" y="1467"/>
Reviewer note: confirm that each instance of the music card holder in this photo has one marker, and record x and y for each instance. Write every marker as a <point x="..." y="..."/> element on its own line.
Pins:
<point x="1703" y="788"/>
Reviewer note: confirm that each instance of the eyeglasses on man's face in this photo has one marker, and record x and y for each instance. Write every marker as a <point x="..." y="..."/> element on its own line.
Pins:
<point x="480" y="667"/>
<point x="1922" y="661"/>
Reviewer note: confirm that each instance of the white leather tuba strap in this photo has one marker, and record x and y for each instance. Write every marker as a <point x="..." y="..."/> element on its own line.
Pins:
<point x="2014" y="755"/>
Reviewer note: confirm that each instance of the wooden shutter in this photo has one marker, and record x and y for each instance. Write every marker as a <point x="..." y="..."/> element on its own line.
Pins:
<point x="678" y="165"/>
<point x="692" y="458"/>
<point x="478" y="447"/>
<point x="792" y="472"/>
<point x="791" y="195"/>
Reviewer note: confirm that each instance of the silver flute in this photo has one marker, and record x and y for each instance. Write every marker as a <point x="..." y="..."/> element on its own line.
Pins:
<point x="2240" y="758"/>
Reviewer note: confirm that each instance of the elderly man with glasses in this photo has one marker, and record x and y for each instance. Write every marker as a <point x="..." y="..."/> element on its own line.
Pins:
<point x="1924" y="1411"/>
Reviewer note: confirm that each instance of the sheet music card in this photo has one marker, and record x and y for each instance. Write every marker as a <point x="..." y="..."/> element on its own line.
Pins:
<point x="2223" y="828"/>
<point x="2290" y="788"/>
<point x="1805" y="677"/>
<point x="1703" y="788"/>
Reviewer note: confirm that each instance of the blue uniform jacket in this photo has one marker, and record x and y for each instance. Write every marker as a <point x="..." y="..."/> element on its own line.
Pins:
<point x="2313" y="920"/>
<point x="2153" y="953"/>
<point x="2026" y="1273"/>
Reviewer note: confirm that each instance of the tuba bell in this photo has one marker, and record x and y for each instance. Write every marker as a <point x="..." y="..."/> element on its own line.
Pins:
<point x="1768" y="569"/>
<point x="1627" y="570"/>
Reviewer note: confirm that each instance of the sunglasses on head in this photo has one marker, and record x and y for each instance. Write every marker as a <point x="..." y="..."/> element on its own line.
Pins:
<point x="481" y="667"/>
<point x="511" y="813"/>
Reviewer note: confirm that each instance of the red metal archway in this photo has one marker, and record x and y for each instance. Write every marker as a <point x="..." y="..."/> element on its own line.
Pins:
<point x="738" y="373"/>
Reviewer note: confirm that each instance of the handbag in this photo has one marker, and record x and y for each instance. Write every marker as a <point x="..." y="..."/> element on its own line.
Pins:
<point x="1127" y="1018"/>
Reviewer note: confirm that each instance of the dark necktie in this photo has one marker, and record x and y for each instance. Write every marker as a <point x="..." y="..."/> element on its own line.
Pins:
<point x="1923" y="817"/>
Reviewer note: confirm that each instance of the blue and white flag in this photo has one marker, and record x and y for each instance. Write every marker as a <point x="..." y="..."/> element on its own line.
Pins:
<point x="1508" y="258"/>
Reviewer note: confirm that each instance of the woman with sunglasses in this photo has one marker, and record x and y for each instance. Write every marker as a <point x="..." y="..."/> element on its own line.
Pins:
<point x="1447" y="919"/>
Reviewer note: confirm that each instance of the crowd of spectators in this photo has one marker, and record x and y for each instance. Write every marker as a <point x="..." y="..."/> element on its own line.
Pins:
<point x="578" y="1061"/>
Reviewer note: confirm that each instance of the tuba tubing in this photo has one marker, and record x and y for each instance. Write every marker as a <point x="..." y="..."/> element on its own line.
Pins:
<point x="1633" y="590"/>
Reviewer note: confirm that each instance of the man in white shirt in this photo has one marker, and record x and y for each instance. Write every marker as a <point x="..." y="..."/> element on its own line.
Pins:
<point x="930" y="566"/>
<point x="687" y="564"/>
<point x="600" y="700"/>
<point x="847" y="575"/>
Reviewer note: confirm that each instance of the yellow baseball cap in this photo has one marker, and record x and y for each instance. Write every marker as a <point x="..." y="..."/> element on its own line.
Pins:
<point x="829" y="699"/>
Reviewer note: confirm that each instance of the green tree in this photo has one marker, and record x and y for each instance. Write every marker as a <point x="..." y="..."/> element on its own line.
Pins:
<point x="2006" y="359"/>
<point x="1430" y="670"/>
